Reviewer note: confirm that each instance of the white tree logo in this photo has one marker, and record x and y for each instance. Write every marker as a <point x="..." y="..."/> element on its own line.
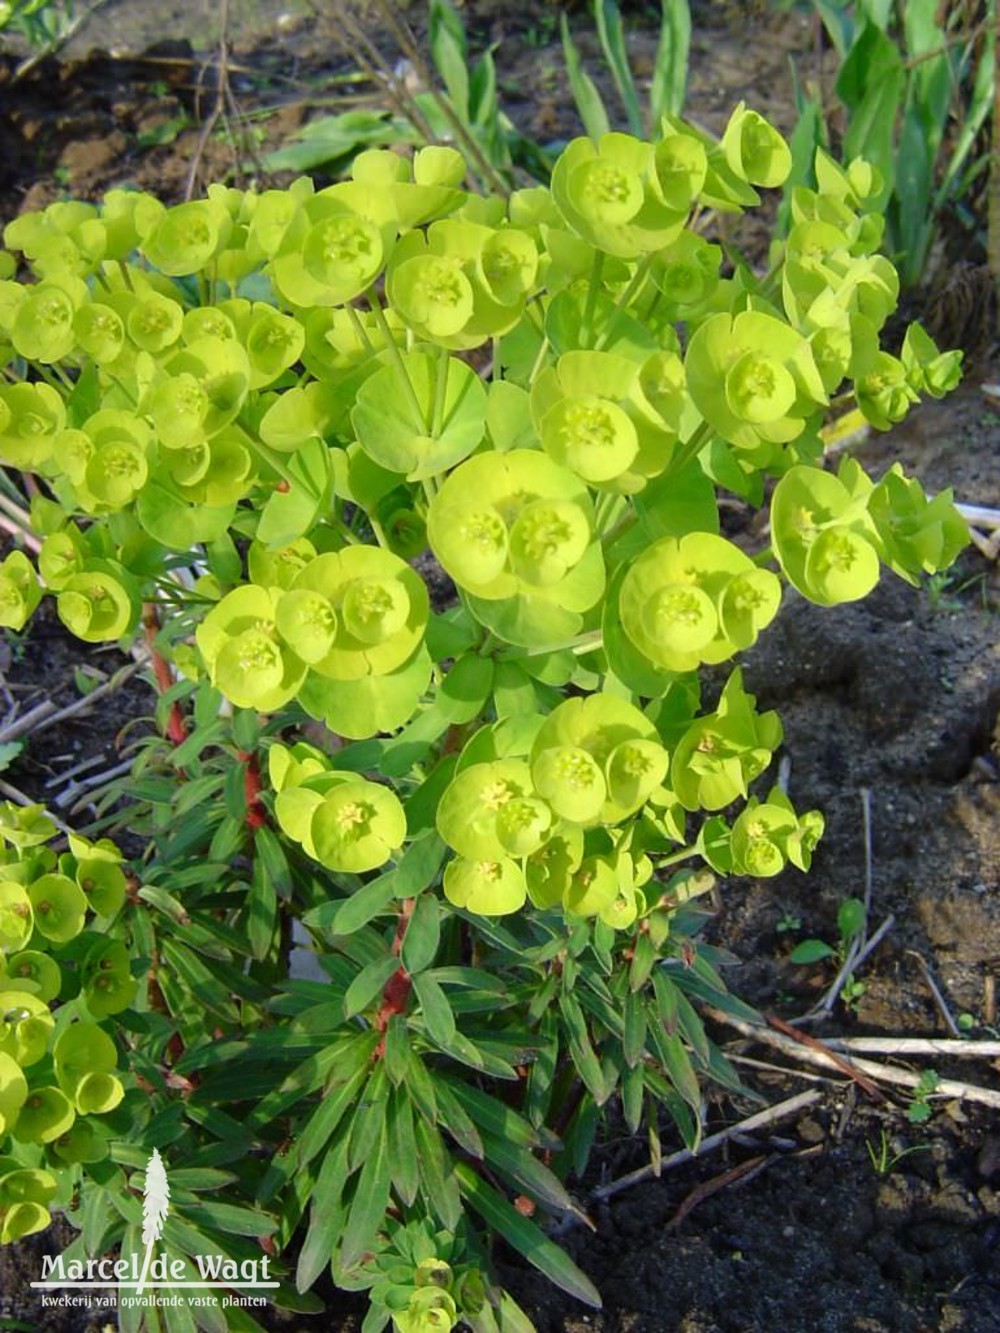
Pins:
<point x="155" y="1206"/>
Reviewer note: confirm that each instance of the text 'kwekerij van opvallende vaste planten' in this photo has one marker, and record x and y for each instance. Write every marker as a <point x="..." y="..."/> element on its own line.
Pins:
<point x="249" y="419"/>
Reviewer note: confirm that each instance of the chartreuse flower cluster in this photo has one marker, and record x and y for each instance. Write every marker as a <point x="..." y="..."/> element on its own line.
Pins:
<point x="57" y="1066"/>
<point x="341" y="820"/>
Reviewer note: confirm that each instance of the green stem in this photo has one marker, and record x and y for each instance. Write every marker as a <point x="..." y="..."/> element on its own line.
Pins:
<point x="582" y="643"/>
<point x="266" y="455"/>
<point x="359" y="328"/>
<point x="625" y="299"/>
<point x="590" y="306"/>
<point x="378" y="530"/>
<point x="395" y="354"/>
<point x="692" y="448"/>
<point x="536" y="369"/>
<point x="440" y="390"/>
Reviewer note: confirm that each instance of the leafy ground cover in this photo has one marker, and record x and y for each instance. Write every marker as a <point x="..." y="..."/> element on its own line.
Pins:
<point x="898" y="696"/>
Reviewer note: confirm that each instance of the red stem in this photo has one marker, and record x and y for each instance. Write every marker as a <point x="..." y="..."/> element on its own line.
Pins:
<point x="396" y="994"/>
<point x="256" y="816"/>
<point x="176" y="728"/>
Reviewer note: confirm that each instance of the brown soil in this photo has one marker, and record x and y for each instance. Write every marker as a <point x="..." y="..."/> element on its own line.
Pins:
<point x="897" y="696"/>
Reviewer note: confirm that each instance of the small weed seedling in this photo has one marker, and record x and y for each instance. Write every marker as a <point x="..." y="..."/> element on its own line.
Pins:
<point x="918" y="1110"/>
<point x="882" y="1156"/>
<point x="850" y="923"/>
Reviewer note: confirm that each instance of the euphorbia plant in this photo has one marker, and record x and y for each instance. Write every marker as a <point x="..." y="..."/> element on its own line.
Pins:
<point x="271" y="417"/>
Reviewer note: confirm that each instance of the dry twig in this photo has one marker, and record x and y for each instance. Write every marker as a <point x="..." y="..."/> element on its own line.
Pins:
<point x="939" y="1000"/>
<point x="818" y="1053"/>
<point x="219" y="106"/>
<point x="47" y="715"/>
<point x="961" y="1046"/>
<point x="760" y="1120"/>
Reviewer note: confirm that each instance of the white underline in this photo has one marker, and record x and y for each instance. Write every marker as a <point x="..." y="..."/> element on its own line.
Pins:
<point x="128" y="1286"/>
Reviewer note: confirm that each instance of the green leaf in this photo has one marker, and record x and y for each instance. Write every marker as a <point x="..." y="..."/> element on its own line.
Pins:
<point x="450" y="53"/>
<point x="497" y="1119"/>
<point x="231" y="1219"/>
<point x="439" y="1185"/>
<point x="419" y="865"/>
<point x="677" y="1063"/>
<point x="612" y="36"/>
<point x="669" y="83"/>
<point x="851" y="918"/>
<point x="261" y="909"/>
<point x="320" y="1126"/>
<point x="174" y="523"/>
<point x="345" y="916"/>
<point x="528" y="1173"/>
<point x="325" y="1219"/>
<point x="205" y="987"/>
<point x="423" y="934"/>
<point x="587" y="1064"/>
<point x="526" y="1237"/>
<point x="585" y="95"/>
<point x="436" y="1010"/>
<point x="290" y="513"/>
<point x="635" y="1029"/>
<point x="402" y="1145"/>
<point x="369" y="984"/>
<point x="811" y="951"/>
<point x="457" y="1121"/>
<point x="371" y="1198"/>
<point x="9" y="750"/>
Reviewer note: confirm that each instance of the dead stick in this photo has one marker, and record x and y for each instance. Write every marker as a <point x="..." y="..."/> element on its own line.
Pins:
<point x="939" y="1000"/>
<point x="977" y="1050"/>
<point x="845" y="1066"/>
<point x="827" y="1059"/>
<point x="221" y="89"/>
<point x="46" y="715"/>
<point x="780" y="1111"/>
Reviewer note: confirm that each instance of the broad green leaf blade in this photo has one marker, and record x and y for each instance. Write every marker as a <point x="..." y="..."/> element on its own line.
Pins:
<point x="293" y="511"/>
<point x="436" y="1010"/>
<point x="344" y="917"/>
<point x="325" y="1219"/>
<point x="669" y="86"/>
<point x="612" y="36"/>
<point x="526" y="1237"/>
<point x="587" y="1064"/>
<point x="811" y="951"/>
<point x="369" y="984"/>
<point x="585" y="95"/>
<point x="423" y="934"/>
<point x="371" y="1199"/>
<point x="439" y="1184"/>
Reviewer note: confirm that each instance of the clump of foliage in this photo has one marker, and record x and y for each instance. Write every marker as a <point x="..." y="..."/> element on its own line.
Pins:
<point x="269" y="419"/>
<point x="61" y="979"/>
